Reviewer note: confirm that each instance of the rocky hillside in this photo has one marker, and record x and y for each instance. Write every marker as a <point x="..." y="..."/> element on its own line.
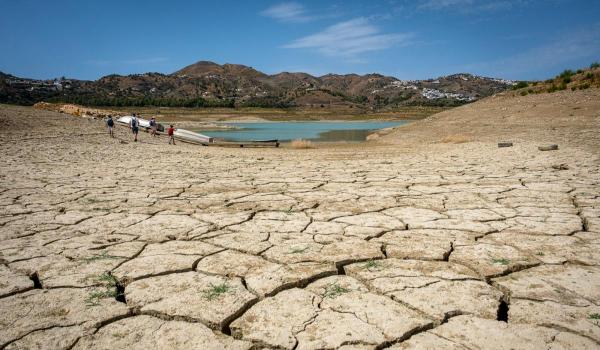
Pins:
<point x="210" y="84"/>
<point x="582" y="79"/>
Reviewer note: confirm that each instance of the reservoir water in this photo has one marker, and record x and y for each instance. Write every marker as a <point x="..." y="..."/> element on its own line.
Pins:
<point x="288" y="131"/>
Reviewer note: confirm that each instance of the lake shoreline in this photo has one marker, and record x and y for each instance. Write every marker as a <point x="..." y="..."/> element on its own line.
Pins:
<point x="314" y="131"/>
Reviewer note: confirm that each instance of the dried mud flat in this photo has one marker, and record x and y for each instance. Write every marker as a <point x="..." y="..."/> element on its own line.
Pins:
<point x="406" y="243"/>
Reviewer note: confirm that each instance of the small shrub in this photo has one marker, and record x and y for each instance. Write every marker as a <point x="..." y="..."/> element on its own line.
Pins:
<point x="579" y="71"/>
<point x="594" y="65"/>
<point x="595" y="318"/>
<point x="573" y="88"/>
<point x="548" y="81"/>
<point x="523" y="93"/>
<point x="334" y="290"/>
<point x="215" y="291"/>
<point x="111" y="289"/>
<point x="301" y="144"/>
<point x="584" y="86"/>
<point x="108" y="279"/>
<point x="520" y="85"/>
<point x="530" y="91"/>
<point x="589" y="76"/>
<point x="562" y="86"/>
<point x="566" y="80"/>
<point x="567" y="73"/>
<point x="534" y="83"/>
<point x="371" y="265"/>
<point x="552" y="88"/>
<point x="95" y="296"/>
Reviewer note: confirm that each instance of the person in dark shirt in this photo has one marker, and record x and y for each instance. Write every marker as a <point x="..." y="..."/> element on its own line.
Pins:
<point x="110" y="125"/>
<point x="134" y="124"/>
<point x="153" y="126"/>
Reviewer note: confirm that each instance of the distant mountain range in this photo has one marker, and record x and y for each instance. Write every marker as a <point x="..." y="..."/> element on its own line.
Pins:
<point x="210" y="84"/>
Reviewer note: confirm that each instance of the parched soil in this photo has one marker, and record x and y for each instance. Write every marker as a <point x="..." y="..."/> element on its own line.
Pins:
<point x="429" y="237"/>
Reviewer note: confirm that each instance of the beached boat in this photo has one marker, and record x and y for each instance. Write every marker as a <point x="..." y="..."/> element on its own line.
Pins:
<point x="143" y="122"/>
<point x="190" y="136"/>
<point x="180" y="134"/>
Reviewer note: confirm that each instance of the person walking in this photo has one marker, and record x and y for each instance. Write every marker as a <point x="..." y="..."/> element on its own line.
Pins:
<point x="110" y="125"/>
<point x="153" y="126"/>
<point x="171" y="132"/>
<point x="134" y="125"/>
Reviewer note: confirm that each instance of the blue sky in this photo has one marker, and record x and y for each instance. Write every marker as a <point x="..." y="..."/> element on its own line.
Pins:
<point x="515" y="39"/>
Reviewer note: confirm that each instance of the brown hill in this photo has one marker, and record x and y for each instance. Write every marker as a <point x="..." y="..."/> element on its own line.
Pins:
<point x="203" y="68"/>
<point x="564" y="117"/>
<point x="210" y="84"/>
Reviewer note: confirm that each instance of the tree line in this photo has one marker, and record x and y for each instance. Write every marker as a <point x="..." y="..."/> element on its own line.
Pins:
<point x="98" y="101"/>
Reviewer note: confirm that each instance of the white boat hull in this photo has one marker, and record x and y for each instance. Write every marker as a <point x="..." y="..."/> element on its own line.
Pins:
<point x="191" y="136"/>
<point x="127" y="119"/>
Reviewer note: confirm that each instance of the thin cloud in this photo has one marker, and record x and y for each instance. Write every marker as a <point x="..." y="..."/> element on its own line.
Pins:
<point x="443" y="4"/>
<point x="287" y="12"/>
<point x="471" y="6"/>
<point x="350" y="38"/>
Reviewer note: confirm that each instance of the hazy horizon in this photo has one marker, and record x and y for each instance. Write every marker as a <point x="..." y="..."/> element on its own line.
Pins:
<point x="511" y="39"/>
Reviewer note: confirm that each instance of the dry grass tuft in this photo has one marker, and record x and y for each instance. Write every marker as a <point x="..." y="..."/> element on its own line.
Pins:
<point x="456" y="138"/>
<point x="301" y="144"/>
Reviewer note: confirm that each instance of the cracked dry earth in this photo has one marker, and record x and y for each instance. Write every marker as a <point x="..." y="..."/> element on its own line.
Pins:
<point x="110" y="245"/>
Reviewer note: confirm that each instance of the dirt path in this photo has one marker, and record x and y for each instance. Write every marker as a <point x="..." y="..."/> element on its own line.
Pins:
<point x="405" y="243"/>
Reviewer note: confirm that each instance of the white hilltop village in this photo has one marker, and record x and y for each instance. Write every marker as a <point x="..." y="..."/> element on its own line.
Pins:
<point x="432" y="94"/>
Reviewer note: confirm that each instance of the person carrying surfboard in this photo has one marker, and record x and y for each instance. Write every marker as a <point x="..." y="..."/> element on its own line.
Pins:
<point x="134" y="125"/>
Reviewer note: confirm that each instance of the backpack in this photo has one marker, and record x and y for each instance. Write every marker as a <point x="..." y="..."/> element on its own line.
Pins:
<point x="133" y="122"/>
<point x="110" y="122"/>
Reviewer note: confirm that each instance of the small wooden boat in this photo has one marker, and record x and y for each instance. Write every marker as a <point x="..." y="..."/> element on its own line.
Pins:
<point x="190" y="136"/>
